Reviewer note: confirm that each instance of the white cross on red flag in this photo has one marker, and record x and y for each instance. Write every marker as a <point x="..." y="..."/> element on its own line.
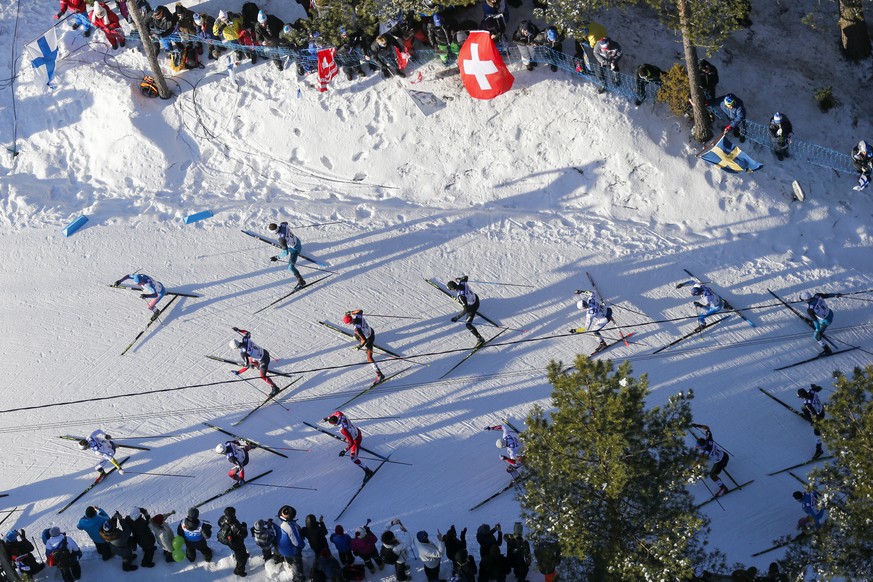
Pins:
<point x="327" y="67"/>
<point x="482" y="69"/>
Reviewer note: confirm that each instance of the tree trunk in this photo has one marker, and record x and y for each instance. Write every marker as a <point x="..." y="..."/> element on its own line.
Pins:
<point x="149" y="49"/>
<point x="701" y="130"/>
<point x="854" y="39"/>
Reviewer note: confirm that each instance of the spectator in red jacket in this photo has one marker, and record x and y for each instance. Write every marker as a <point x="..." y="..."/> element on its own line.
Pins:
<point x="107" y="21"/>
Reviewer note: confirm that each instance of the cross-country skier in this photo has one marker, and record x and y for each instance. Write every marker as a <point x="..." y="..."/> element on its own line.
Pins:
<point x="291" y="247"/>
<point x="821" y="316"/>
<point x="809" y="502"/>
<point x="709" y="301"/>
<point x="152" y="290"/>
<point x="366" y="335"/>
<point x="237" y="453"/>
<point x="597" y="315"/>
<point x="718" y="455"/>
<point x="102" y="445"/>
<point x="353" y="438"/>
<point x="253" y="356"/>
<point x="513" y="457"/>
<point x="813" y="410"/>
<point x="470" y="302"/>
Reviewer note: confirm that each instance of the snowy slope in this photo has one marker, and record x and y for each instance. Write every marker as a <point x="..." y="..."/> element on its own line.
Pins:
<point x="534" y="188"/>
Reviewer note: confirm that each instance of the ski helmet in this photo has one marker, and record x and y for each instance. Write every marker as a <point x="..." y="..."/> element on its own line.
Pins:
<point x="805" y="296"/>
<point x="219" y="448"/>
<point x="437" y="21"/>
<point x="582" y="304"/>
<point x="347" y="318"/>
<point x="697" y="290"/>
<point x="701" y="444"/>
<point x="729" y="100"/>
<point x="452" y="285"/>
<point x="334" y="418"/>
<point x="501" y="442"/>
<point x="138" y="279"/>
<point x="777" y="117"/>
<point x="83" y="444"/>
<point x="802" y="393"/>
<point x="234" y="344"/>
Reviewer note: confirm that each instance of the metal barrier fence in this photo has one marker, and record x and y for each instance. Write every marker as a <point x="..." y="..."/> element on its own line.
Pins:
<point x="614" y="82"/>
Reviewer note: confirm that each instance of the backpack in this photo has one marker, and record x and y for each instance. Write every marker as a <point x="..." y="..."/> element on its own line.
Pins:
<point x="223" y="535"/>
<point x="62" y="557"/>
<point x="387" y="554"/>
<point x="185" y="59"/>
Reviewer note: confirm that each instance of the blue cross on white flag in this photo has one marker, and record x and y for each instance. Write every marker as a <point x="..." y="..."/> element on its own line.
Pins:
<point x="43" y="54"/>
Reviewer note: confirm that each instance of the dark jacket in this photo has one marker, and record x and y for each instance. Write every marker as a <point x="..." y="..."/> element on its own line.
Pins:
<point x="269" y="33"/>
<point x="441" y="35"/>
<point x="708" y="78"/>
<point x="785" y="126"/>
<point x="486" y="539"/>
<point x="237" y="532"/>
<point x="163" y="22"/>
<point x="355" y="41"/>
<point x="494" y="566"/>
<point x="548" y="555"/>
<point x="385" y="54"/>
<point x="141" y="533"/>
<point x="453" y="543"/>
<point x="315" y="532"/>
<point x="526" y="33"/>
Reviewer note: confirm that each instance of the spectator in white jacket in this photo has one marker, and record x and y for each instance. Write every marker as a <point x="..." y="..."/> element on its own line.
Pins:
<point x="431" y="555"/>
<point x="163" y="534"/>
<point x="395" y="549"/>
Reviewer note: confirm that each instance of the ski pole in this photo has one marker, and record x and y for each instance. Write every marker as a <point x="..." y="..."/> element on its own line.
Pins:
<point x="158" y="474"/>
<point x="386" y="460"/>
<point x="283" y="486"/>
<point x="503" y="284"/>
<point x="714" y="496"/>
<point x="263" y="394"/>
<point x="38" y="551"/>
<point x="393" y="316"/>
<point x="321" y="224"/>
<point x="518" y="329"/>
<point x="317" y="269"/>
<point x="292" y="449"/>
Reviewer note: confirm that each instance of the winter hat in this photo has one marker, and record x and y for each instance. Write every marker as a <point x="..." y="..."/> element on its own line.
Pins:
<point x="339" y="530"/>
<point x="194" y="513"/>
<point x="421" y="537"/>
<point x="262" y="18"/>
<point x="437" y="21"/>
<point x="222" y="15"/>
<point x="604" y="42"/>
<point x="552" y="35"/>
<point x="99" y="11"/>
<point x="107" y="526"/>
<point x="158" y="520"/>
<point x="798" y="495"/>
<point x="90" y="512"/>
<point x="288" y="512"/>
<point x="135" y="512"/>
<point x="11" y="536"/>
<point x="388" y="537"/>
<point x="56" y="531"/>
<point x="729" y="100"/>
<point x="286" y="29"/>
<point x="198" y="20"/>
<point x="777" y="117"/>
<point x="360" y="533"/>
<point x="230" y="512"/>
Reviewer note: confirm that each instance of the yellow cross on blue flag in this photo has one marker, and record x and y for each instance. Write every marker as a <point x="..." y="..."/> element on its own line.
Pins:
<point x="730" y="158"/>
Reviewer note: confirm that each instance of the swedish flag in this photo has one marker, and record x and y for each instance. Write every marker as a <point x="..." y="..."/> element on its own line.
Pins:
<point x="730" y="158"/>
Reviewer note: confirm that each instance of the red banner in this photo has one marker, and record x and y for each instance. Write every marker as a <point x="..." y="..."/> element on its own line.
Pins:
<point x="482" y="68"/>
<point x="327" y="67"/>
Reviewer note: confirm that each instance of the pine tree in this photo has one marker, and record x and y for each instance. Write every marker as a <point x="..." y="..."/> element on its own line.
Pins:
<point x="843" y="546"/>
<point x="608" y="476"/>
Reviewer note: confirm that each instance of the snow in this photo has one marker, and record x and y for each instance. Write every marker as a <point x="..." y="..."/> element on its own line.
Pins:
<point x="533" y="188"/>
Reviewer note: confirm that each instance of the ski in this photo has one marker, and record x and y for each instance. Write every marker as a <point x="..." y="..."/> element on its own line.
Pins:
<point x="293" y="291"/>
<point x="270" y="241"/>
<point x="351" y="335"/>
<point x="98" y="480"/>
<point x="361" y="488"/>
<point x="4" y="495"/>
<point x="339" y="438"/>
<point x="611" y="344"/>
<point x="817" y="357"/>
<point x="436" y="286"/>
<point x="237" y="363"/>
<point x="803" y="464"/>
<point x="510" y="425"/>
<point x="779" y="545"/>
<point x="805" y="319"/>
<point x="786" y="405"/>
<point x="8" y="512"/>
<point x="119" y="445"/>
<point x="512" y="484"/>
<point x="168" y="292"/>
<point x="473" y="351"/>
<point x="149" y="324"/>
<point x="599" y="294"/>
<point x="731" y="490"/>
<point x="233" y="487"/>
<point x="725" y="301"/>
<point x="373" y="385"/>
<point x="694" y="332"/>
<point x="798" y="478"/>
<point x="258" y="445"/>
<point x="265" y="402"/>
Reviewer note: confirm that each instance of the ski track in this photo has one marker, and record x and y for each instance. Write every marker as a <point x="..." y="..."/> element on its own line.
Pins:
<point x="533" y="189"/>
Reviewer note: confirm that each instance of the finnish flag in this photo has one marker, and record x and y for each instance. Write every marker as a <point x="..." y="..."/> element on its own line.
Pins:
<point x="43" y="54"/>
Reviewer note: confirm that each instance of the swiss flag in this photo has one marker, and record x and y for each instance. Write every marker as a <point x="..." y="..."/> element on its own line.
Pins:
<point x="327" y="67"/>
<point x="482" y="69"/>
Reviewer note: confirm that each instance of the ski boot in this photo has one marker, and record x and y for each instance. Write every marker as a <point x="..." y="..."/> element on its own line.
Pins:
<point x="300" y="283"/>
<point x="721" y="491"/>
<point x="818" y="451"/>
<point x="274" y="391"/>
<point x="601" y="346"/>
<point x="368" y="474"/>
<point x="480" y="341"/>
<point x="380" y="377"/>
<point x="827" y="350"/>
<point x="101" y="474"/>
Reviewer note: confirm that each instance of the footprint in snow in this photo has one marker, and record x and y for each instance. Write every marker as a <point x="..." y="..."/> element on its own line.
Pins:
<point x="325" y="161"/>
